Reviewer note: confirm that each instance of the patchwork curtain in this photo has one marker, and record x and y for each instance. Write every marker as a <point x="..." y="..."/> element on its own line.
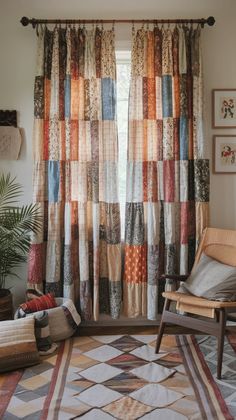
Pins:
<point x="167" y="173"/>
<point x="77" y="254"/>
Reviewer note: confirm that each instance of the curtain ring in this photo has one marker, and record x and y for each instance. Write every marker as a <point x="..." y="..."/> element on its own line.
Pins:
<point x="113" y="26"/>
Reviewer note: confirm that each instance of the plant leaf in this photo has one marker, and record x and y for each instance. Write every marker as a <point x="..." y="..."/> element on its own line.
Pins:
<point x="16" y="226"/>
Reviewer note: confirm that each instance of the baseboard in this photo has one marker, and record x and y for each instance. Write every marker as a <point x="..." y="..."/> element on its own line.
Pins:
<point x="120" y="323"/>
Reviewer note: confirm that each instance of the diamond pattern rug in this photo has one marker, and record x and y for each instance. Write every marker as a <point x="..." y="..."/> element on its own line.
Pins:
<point x="121" y="377"/>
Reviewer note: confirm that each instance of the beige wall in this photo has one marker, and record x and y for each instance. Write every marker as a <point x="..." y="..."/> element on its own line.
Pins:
<point x="17" y="64"/>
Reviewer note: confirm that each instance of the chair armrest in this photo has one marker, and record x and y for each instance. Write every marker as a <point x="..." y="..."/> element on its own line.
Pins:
<point x="175" y="277"/>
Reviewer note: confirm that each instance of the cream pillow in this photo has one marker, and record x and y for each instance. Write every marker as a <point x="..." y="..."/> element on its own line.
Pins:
<point x="211" y="280"/>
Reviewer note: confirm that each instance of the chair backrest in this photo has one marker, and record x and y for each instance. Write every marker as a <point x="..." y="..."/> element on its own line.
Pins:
<point x="219" y="244"/>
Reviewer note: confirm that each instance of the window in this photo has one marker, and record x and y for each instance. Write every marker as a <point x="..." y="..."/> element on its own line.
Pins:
<point x="123" y="80"/>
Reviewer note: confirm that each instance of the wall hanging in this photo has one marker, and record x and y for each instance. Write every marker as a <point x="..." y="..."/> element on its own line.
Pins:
<point x="224" y="154"/>
<point x="224" y="108"/>
<point x="10" y="136"/>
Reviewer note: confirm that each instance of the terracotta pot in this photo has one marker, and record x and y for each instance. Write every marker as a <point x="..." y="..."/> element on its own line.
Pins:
<point x="6" y="305"/>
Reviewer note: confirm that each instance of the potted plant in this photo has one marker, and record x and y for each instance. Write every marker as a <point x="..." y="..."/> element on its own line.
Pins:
<point x="16" y="225"/>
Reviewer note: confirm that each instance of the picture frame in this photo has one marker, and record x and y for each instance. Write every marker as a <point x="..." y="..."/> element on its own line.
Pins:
<point x="224" y="108"/>
<point x="224" y="154"/>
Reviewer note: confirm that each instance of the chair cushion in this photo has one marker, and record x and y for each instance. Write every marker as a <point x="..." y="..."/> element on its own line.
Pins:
<point x="212" y="280"/>
<point x="17" y="344"/>
<point x="196" y="301"/>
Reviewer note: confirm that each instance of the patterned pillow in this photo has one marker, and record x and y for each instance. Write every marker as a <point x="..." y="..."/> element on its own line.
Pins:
<point x="39" y="304"/>
<point x="42" y="332"/>
<point x="17" y="344"/>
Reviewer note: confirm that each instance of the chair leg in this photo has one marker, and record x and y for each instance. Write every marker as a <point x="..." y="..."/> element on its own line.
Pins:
<point x="162" y="326"/>
<point x="221" y="337"/>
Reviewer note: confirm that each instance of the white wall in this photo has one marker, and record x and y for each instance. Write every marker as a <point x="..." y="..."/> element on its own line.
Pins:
<point x="17" y="64"/>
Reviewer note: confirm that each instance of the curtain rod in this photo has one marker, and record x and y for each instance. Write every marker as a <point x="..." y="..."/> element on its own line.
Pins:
<point x="34" y="22"/>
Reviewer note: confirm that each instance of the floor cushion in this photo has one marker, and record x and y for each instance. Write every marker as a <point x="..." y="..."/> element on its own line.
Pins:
<point x="18" y="347"/>
<point x="60" y="319"/>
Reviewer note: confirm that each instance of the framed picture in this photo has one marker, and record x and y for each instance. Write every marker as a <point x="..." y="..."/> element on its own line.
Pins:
<point x="224" y="108"/>
<point x="224" y="154"/>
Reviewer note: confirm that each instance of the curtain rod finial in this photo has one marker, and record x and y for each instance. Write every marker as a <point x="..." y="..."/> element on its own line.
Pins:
<point x="211" y="21"/>
<point x="24" y="21"/>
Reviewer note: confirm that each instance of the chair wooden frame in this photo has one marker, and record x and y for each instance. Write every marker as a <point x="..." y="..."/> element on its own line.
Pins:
<point x="217" y="311"/>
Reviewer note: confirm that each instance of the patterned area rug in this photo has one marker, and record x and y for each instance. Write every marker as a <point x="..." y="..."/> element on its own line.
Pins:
<point x="227" y="385"/>
<point x="121" y="377"/>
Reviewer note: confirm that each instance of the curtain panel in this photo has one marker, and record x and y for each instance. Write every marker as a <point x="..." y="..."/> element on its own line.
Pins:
<point x="77" y="253"/>
<point x="167" y="173"/>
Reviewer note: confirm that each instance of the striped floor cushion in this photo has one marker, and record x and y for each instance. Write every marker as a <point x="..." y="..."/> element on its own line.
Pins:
<point x="17" y="344"/>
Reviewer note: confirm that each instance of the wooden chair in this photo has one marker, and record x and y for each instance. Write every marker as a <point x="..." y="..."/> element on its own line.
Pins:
<point x="219" y="244"/>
